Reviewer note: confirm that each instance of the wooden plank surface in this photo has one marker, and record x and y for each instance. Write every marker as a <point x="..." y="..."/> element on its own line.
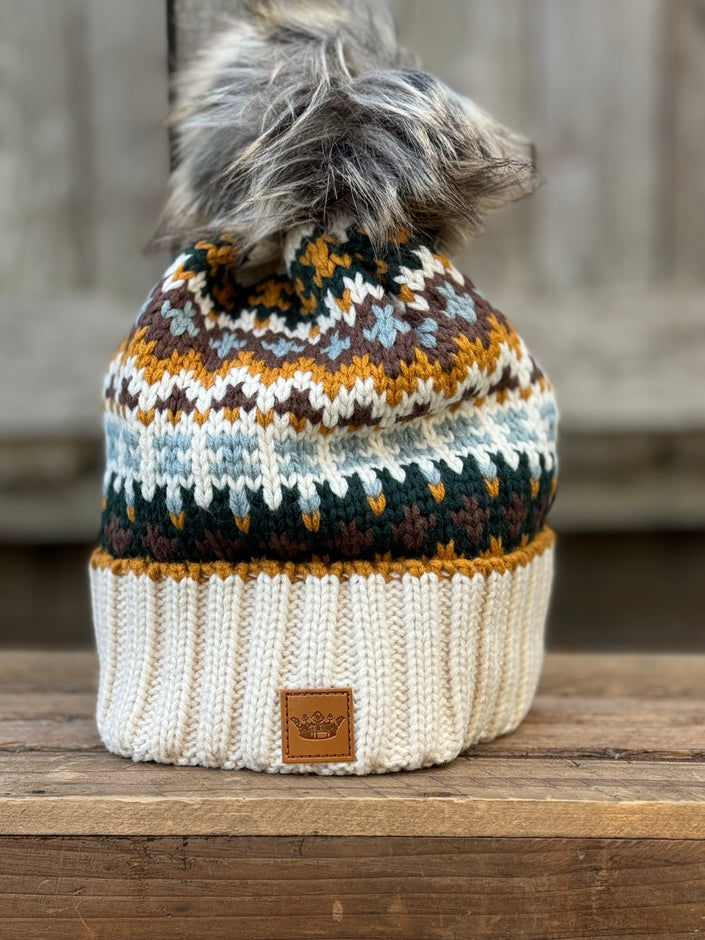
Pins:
<point x="263" y="888"/>
<point x="551" y="798"/>
<point x="586" y="824"/>
<point x="613" y="746"/>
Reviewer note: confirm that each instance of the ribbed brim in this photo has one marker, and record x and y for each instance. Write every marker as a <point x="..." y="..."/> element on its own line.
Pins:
<point x="439" y="655"/>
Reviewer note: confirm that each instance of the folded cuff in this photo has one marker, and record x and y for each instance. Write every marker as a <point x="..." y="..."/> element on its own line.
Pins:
<point x="439" y="655"/>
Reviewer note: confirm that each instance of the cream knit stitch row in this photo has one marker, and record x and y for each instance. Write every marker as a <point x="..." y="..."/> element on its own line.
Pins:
<point x="191" y="672"/>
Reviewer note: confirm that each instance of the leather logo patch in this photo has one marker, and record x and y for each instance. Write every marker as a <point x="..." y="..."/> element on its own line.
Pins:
<point x="317" y="725"/>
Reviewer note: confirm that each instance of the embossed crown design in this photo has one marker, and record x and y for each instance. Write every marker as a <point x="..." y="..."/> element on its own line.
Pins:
<point x="318" y="727"/>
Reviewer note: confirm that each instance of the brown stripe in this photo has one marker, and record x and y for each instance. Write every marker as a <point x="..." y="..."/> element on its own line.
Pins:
<point x="343" y="570"/>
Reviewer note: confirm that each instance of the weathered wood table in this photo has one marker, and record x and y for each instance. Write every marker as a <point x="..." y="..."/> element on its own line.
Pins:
<point x="587" y="822"/>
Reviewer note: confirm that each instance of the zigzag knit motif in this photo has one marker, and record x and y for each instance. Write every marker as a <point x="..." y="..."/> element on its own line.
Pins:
<point x="349" y="407"/>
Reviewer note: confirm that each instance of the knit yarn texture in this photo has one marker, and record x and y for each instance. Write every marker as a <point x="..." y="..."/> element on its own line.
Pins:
<point x="336" y="476"/>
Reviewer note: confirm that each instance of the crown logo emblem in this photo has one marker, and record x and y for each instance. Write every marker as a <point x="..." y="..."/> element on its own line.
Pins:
<point x="318" y="727"/>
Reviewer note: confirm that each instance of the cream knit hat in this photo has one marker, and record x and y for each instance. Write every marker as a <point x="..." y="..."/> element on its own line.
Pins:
<point x="329" y="458"/>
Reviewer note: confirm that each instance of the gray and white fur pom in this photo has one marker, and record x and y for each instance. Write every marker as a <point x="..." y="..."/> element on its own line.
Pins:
<point x="308" y="111"/>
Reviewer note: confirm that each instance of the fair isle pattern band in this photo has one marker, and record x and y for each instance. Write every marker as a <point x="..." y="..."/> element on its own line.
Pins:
<point x="351" y="407"/>
<point x="191" y="668"/>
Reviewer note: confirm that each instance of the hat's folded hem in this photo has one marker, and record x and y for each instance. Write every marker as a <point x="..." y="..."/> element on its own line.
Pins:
<point x="439" y="655"/>
<point x="442" y="565"/>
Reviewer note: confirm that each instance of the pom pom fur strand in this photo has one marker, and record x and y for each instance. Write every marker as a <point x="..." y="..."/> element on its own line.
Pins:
<point x="308" y="111"/>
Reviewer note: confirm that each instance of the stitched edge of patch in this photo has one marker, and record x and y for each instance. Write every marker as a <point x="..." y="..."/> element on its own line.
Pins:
<point x="347" y="755"/>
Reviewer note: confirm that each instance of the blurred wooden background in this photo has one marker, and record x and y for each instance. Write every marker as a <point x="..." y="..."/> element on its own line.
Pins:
<point x="602" y="271"/>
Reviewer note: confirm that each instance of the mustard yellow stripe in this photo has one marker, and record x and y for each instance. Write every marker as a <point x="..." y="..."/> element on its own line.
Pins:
<point x="445" y="381"/>
<point x="391" y="570"/>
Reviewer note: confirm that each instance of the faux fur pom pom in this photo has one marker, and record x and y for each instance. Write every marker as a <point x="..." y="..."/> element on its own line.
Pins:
<point x="307" y="111"/>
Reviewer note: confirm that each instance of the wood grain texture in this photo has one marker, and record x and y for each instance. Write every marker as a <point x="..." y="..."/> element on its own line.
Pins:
<point x="126" y="56"/>
<point x="613" y="746"/>
<point x="586" y="824"/>
<point x="611" y="93"/>
<point x="559" y="797"/>
<point x="43" y="145"/>
<point x="263" y="888"/>
<point x="625" y="675"/>
<point x="604" y="365"/>
<point x="69" y="395"/>
<point x="684" y="186"/>
<point x="83" y="152"/>
<point x="611" y="90"/>
<point x="630" y="460"/>
<point x="594" y="77"/>
<point x="482" y="50"/>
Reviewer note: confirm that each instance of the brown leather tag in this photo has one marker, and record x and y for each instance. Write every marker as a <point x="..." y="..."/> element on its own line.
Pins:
<point x="317" y="725"/>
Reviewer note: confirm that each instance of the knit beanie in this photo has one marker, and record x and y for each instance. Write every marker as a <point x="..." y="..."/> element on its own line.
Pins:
<point x="329" y="458"/>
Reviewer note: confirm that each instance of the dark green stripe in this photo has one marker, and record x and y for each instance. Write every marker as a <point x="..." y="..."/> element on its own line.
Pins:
<point x="412" y="525"/>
